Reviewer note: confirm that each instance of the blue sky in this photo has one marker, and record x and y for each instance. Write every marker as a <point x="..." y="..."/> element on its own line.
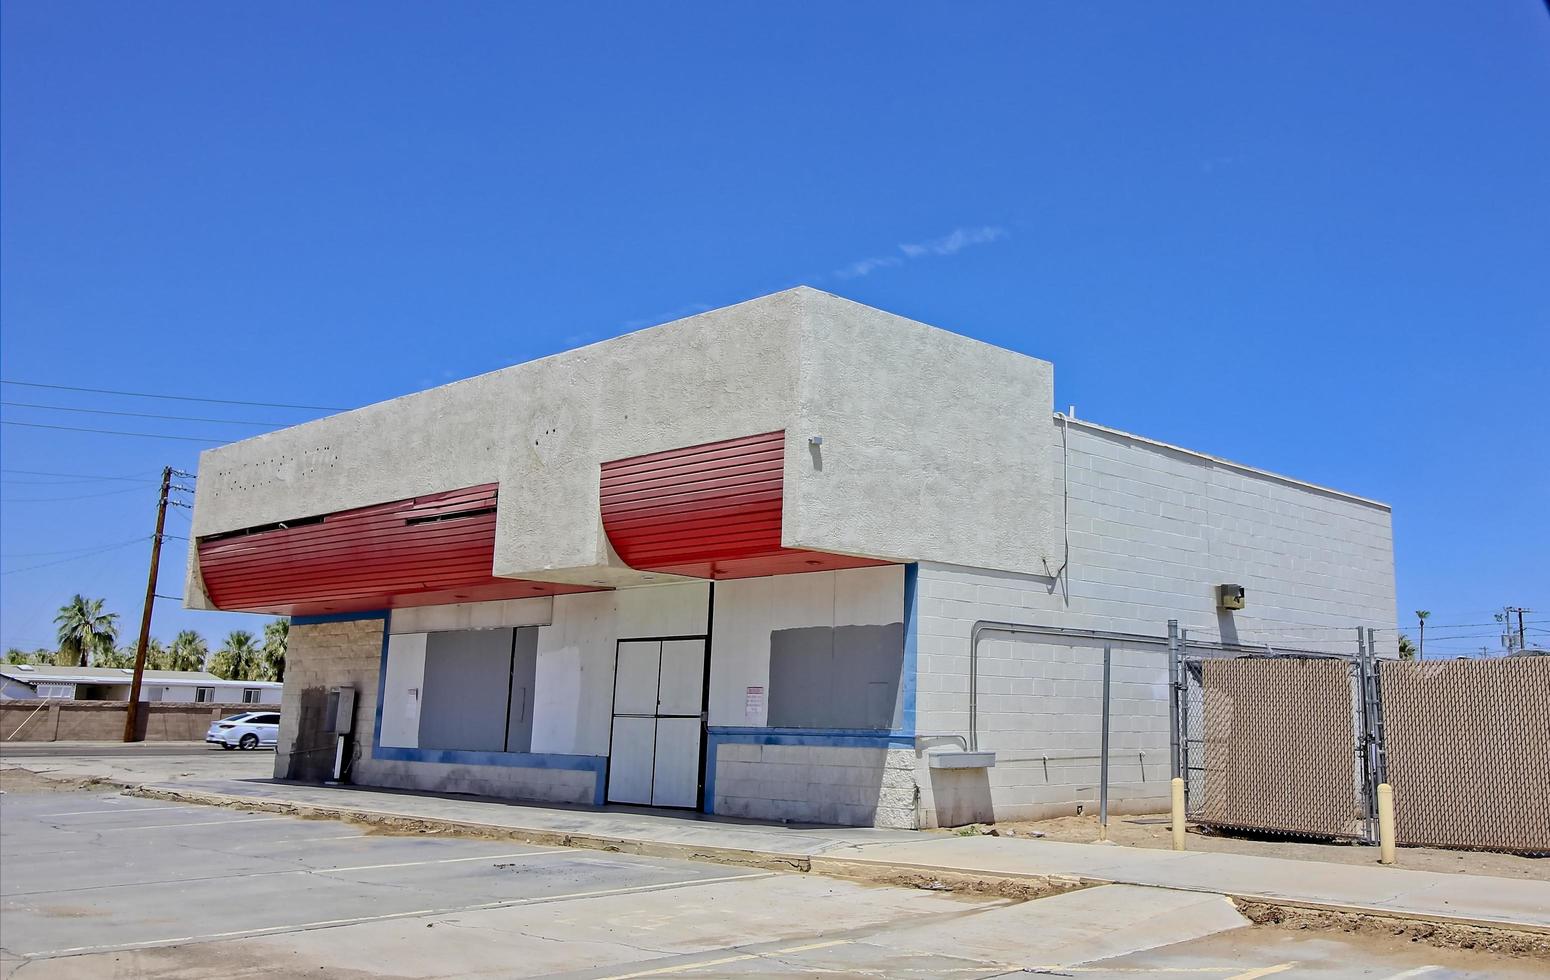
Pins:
<point x="1310" y="237"/>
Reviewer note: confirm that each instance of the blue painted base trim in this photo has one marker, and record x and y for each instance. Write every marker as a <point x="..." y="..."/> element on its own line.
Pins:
<point x="346" y="617"/>
<point x="850" y="738"/>
<point x="595" y="764"/>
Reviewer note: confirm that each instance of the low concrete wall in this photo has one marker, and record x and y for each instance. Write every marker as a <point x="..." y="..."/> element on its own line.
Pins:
<point x="103" y="721"/>
<point x="847" y="786"/>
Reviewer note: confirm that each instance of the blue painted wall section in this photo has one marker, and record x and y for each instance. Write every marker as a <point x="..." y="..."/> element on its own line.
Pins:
<point x="597" y="765"/>
<point x="911" y="646"/>
<point x="902" y="738"/>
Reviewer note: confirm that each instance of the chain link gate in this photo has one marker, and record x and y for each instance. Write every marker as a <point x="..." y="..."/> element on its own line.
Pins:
<point x="1285" y="743"/>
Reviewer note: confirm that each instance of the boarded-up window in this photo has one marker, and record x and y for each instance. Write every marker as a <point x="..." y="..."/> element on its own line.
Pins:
<point x="478" y="690"/>
<point x="836" y="677"/>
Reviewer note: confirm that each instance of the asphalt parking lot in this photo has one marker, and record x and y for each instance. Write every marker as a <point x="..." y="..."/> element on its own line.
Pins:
<point x="100" y="884"/>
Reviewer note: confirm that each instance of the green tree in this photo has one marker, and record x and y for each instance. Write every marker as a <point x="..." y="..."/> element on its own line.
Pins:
<point x="277" y="634"/>
<point x="238" y="657"/>
<point x="188" y="651"/>
<point x="17" y="656"/>
<point x="85" y="631"/>
<point x="1406" y="648"/>
<point x="115" y="657"/>
<point x="156" y="655"/>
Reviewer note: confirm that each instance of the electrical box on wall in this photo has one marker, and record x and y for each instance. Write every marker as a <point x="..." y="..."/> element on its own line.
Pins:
<point x="340" y="711"/>
<point x="1230" y="596"/>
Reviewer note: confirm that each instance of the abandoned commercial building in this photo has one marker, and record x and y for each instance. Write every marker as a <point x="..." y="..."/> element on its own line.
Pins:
<point x="791" y="559"/>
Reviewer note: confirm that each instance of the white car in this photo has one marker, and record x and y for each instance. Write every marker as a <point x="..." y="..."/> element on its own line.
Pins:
<point x="248" y="730"/>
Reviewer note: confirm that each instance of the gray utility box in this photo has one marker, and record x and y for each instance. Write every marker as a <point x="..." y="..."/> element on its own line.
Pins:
<point x="340" y="711"/>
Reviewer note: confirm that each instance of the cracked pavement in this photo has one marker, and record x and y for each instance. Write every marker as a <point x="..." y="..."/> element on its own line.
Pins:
<point x="94" y="883"/>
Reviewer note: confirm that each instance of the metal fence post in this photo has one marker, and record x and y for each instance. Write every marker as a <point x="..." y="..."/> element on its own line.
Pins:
<point x="1103" y="761"/>
<point x="1364" y="691"/>
<point x="1175" y="697"/>
<point x="1380" y="761"/>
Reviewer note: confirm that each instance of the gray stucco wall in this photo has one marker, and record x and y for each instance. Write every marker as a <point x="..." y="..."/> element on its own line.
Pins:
<point x="921" y="457"/>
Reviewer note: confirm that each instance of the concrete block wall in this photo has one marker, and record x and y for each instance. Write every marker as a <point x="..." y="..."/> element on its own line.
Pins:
<point x="854" y="786"/>
<point x="103" y="721"/>
<point x="1153" y="531"/>
<point x="319" y="656"/>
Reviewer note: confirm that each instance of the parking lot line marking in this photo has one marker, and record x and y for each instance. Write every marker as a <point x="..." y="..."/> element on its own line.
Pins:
<point x="1262" y="972"/>
<point x="740" y="958"/>
<point x="416" y="864"/>
<point x="306" y="840"/>
<point x="284" y="871"/>
<point x="417" y="913"/>
<point x="201" y="823"/>
<point x="115" y="812"/>
<point x="1418" y="971"/>
<point x="1060" y="968"/>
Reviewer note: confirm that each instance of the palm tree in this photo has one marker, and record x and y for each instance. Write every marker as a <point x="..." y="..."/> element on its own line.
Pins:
<point x="1406" y="648"/>
<point x="276" y="635"/>
<point x="115" y="657"/>
<point x="188" y="651"/>
<point x="237" y="659"/>
<point x="1420" y="646"/>
<point x="84" y="630"/>
<point x="156" y="656"/>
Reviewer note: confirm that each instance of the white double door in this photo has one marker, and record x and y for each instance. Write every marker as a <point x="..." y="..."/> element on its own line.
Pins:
<point x="659" y="695"/>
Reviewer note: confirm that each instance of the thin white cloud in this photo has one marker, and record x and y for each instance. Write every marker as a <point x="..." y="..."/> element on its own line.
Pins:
<point x="957" y="241"/>
<point x="866" y="267"/>
<point x="950" y="244"/>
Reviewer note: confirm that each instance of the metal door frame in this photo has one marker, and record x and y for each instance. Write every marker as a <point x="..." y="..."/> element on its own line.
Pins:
<point x="704" y="716"/>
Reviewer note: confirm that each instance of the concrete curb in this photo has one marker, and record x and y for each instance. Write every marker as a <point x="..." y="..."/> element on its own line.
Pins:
<point x="739" y="857"/>
<point x="852" y="867"/>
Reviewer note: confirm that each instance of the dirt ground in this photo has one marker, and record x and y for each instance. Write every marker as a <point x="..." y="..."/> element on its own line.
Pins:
<point x="23" y="781"/>
<point x="1152" y="831"/>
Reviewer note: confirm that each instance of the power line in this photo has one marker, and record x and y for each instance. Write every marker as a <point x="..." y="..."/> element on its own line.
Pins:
<point x="50" y="564"/>
<point x="80" y="496"/>
<point x="68" y="551"/>
<point x="140" y="415"/>
<point x="110" y="432"/>
<point x="82" y="477"/>
<point x="181" y="398"/>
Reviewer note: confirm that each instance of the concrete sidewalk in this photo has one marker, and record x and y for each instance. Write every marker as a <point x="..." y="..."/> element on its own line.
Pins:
<point x="1456" y="898"/>
<point x="880" y="854"/>
<point x="851" y="852"/>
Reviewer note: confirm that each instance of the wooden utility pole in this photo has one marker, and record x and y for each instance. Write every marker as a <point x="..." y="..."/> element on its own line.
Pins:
<point x="132" y="716"/>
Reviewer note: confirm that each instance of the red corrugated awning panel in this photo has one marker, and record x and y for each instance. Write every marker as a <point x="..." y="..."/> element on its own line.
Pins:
<point x="708" y="511"/>
<point x="423" y="551"/>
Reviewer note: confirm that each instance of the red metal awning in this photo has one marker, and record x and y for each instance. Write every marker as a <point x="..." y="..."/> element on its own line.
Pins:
<point x="423" y="551"/>
<point x="709" y="511"/>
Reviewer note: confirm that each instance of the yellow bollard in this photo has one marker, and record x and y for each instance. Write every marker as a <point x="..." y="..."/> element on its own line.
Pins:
<point x="1178" y="814"/>
<point x="1385" y="823"/>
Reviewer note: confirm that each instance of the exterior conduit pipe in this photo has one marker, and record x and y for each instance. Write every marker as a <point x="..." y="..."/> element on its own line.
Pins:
<point x="1056" y="580"/>
<point x="1031" y="629"/>
<point x="1027" y="629"/>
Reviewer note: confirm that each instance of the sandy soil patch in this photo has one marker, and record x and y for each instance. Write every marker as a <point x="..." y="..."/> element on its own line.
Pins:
<point x="1152" y="831"/>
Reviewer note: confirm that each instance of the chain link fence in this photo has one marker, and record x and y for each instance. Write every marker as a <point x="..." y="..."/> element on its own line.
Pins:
<point x="1297" y="742"/>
